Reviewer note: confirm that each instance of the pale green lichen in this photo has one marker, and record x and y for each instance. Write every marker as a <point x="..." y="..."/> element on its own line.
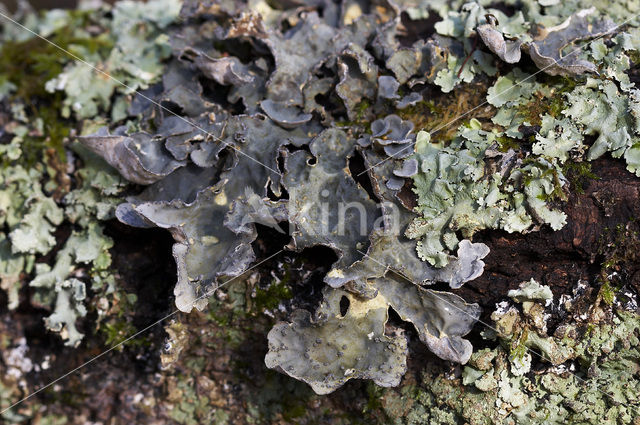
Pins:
<point x="598" y="108"/>
<point x="595" y="381"/>
<point x="487" y="177"/>
<point x="40" y="199"/>
<point x="451" y="184"/>
<point x="33" y="235"/>
<point x="465" y="61"/>
<point x="137" y="32"/>
<point x="601" y="110"/>
<point x="456" y="194"/>
<point x="31" y="215"/>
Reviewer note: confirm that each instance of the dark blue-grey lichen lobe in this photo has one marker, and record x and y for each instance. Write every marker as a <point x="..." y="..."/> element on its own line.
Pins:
<point x="330" y="348"/>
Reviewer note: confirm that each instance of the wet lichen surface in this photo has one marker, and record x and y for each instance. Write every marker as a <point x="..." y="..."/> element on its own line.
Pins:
<point x="332" y="212"/>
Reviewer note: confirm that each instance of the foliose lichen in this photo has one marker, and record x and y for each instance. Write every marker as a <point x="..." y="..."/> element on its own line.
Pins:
<point x="255" y="113"/>
<point x="54" y="193"/>
<point x="585" y="372"/>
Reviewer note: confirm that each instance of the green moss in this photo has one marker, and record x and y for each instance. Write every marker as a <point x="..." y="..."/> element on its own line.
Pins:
<point x="534" y="110"/>
<point x="55" y="129"/>
<point x="424" y="107"/>
<point x="561" y="84"/>
<point x="374" y="401"/>
<point x="219" y="318"/>
<point x="552" y="102"/>
<point x="634" y="56"/>
<point x="117" y="326"/>
<point x="444" y="113"/>
<point x="294" y="411"/>
<point x="578" y="174"/>
<point x="518" y="346"/>
<point x="505" y="143"/>
<point x="117" y="331"/>
<point x="272" y="296"/>
<point x="607" y="292"/>
<point x="362" y="120"/>
<point x="29" y="64"/>
<point x="620" y="248"/>
<point x="361" y="110"/>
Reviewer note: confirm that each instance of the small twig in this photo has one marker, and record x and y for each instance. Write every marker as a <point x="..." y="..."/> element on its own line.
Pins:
<point x="473" y="49"/>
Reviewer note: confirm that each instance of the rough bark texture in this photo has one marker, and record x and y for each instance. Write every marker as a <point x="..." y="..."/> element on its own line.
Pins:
<point x="562" y="258"/>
